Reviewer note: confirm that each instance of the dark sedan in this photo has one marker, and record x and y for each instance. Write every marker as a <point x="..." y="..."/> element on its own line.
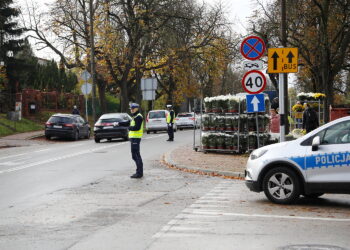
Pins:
<point x="67" y="126"/>
<point x="110" y="126"/>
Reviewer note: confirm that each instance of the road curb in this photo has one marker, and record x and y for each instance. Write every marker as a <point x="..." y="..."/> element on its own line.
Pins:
<point x="34" y="137"/>
<point x="169" y="162"/>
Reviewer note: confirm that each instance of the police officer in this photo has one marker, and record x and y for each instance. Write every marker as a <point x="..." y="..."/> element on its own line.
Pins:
<point x="170" y="121"/>
<point x="135" y="135"/>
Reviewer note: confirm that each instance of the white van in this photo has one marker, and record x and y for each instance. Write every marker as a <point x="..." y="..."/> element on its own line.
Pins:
<point x="317" y="163"/>
<point x="156" y="121"/>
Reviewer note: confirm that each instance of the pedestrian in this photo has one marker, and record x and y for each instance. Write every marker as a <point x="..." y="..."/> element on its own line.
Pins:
<point x="275" y="103"/>
<point x="135" y="135"/>
<point x="75" y="110"/>
<point x="298" y="114"/>
<point x="170" y="122"/>
<point x="274" y="121"/>
<point x="310" y="119"/>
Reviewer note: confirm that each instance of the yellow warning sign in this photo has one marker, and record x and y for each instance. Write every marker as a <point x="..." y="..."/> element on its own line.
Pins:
<point x="282" y="60"/>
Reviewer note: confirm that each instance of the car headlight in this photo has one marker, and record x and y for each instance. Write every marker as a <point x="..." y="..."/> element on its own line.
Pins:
<point x="257" y="153"/>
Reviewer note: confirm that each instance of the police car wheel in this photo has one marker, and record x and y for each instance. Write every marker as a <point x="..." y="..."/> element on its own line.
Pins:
<point x="281" y="185"/>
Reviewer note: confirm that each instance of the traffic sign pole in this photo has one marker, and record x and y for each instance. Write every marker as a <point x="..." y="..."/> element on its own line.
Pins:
<point x="281" y="107"/>
<point x="86" y="103"/>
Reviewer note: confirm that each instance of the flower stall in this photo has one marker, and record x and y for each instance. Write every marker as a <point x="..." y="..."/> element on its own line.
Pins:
<point x="315" y="100"/>
<point x="227" y="127"/>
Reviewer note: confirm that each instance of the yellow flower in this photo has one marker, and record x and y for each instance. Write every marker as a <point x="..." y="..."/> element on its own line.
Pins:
<point x="319" y="95"/>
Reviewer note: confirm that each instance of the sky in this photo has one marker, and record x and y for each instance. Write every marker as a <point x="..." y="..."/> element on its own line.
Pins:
<point x="237" y="12"/>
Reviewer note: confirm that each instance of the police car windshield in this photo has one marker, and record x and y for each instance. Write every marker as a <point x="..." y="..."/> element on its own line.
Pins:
<point x="337" y="134"/>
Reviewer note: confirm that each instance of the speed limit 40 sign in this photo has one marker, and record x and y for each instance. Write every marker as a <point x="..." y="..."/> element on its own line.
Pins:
<point x="254" y="82"/>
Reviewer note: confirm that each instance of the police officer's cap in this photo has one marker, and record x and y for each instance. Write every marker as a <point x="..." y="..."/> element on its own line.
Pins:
<point x="134" y="105"/>
<point x="169" y="106"/>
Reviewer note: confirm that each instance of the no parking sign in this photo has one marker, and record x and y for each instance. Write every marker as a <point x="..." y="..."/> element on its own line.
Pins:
<point x="253" y="47"/>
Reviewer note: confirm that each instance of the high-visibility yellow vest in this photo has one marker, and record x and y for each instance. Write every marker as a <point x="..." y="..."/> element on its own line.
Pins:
<point x="168" y="118"/>
<point x="138" y="133"/>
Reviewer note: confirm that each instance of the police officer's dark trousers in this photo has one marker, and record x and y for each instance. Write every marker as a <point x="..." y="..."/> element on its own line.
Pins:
<point x="135" y="152"/>
<point x="171" y="131"/>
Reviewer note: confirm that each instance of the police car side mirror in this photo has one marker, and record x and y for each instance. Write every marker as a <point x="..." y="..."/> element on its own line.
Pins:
<point x="315" y="143"/>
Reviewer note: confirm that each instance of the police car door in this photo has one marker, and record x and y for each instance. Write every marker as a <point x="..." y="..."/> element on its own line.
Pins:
<point x="330" y="162"/>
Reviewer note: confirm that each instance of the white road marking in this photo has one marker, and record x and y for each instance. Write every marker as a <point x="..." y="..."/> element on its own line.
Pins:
<point x="61" y="157"/>
<point x="74" y="145"/>
<point x="10" y="156"/>
<point x="200" y="215"/>
<point x="280" y="217"/>
<point x="42" y="150"/>
<point x="58" y="158"/>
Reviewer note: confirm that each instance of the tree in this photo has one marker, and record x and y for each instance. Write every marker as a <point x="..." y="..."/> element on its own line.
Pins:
<point x="9" y="41"/>
<point x="320" y="29"/>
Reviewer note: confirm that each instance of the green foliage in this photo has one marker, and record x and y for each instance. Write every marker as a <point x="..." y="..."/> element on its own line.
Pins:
<point x="50" y="77"/>
<point x="113" y="105"/>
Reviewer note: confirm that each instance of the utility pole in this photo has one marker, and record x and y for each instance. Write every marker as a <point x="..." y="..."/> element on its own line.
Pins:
<point x="284" y="117"/>
<point x="92" y="59"/>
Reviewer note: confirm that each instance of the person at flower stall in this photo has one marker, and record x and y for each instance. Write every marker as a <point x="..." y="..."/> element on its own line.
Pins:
<point x="274" y="123"/>
<point x="298" y="114"/>
<point x="310" y="118"/>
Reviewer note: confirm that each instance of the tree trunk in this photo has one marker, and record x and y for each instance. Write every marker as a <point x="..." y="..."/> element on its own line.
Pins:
<point x="138" y="94"/>
<point x="102" y="95"/>
<point x="124" y="102"/>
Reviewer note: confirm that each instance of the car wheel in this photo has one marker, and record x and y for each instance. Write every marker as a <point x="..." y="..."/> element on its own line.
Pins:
<point x="174" y="130"/>
<point x="148" y="132"/>
<point x="281" y="185"/>
<point x="76" y="136"/>
<point x="47" y="137"/>
<point x="109" y="139"/>
<point x="181" y="129"/>
<point x="97" y="140"/>
<point x="154" y="132"/>
<point x="314" y="195"/>
<point x="126" y="138"/>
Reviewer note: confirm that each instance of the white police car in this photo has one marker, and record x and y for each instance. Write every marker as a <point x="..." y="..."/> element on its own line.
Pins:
<point x="317" y="163"/>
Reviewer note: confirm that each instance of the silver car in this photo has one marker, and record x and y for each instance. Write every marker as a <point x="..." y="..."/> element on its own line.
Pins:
<point x="187" y="120"/>
<point x="156" y="121"/>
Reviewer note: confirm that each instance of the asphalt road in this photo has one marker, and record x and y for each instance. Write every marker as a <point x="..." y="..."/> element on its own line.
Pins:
<point x="78" y="195"/>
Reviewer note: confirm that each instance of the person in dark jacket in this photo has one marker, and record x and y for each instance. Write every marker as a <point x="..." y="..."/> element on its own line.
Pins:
<point x="170" y="122"/>
<point x="75" y="110"/>
<point x="275" y="104"/>
<point x="135" y="135"/>
<point x="310" y="119"/>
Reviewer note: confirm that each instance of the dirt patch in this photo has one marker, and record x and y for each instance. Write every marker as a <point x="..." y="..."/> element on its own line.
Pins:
<point x="213" y="161"/>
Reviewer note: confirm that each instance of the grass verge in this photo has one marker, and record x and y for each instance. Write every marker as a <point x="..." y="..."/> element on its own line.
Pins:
<point x="8" y="127"/>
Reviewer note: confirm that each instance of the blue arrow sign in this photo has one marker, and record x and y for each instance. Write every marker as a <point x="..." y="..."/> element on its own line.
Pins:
<point x="255" y="103"/>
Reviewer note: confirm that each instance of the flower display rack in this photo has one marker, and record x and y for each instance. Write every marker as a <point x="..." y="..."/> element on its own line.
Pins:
<point x="228" y="128"/>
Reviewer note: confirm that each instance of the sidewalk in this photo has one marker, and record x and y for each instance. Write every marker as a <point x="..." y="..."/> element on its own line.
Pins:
<point x="21" y="139"/>
<point x="222" y="165"/>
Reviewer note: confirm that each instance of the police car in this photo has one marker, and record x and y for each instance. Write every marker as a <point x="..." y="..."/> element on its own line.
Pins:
<point x="317" y="163"/>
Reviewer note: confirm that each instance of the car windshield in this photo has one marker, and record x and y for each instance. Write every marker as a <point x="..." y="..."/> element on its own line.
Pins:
<point x="184" y="115"/>
<point x="111" y="120"/>
<point x="156" y="114"/>
<point x="60" y="119"/>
